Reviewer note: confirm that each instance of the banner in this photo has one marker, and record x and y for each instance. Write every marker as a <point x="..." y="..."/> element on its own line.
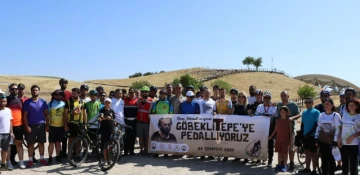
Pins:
<point x="208" y="135"/>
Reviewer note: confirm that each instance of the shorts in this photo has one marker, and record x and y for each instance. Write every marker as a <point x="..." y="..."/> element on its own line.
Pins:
<point x="37" y="134"/>
<point x="105" y="136"/>
<point x="74" y="130"/>
<point x="292" y="142"/>
<point x="18" y="132"/>
<point x="92" y="133"/>
<point x="309" y="143"/>
<point x="56" y="134"/>
<point x="4" y="141"/>
<point x="142" y="130"/>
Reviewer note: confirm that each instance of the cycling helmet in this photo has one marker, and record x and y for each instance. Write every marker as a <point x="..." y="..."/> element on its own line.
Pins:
<point x="267" y="93"/>
<point x="342" y="94"/>
<point x="234" y="91"/>
<point x="93" y="92"/>
<point x="258" y="91"/>
<point x="163" y="91"/>
<point x="325" y="91"/>
<point x="84" y="86"/>
<point x="145" y="88"/>
<point x="63" y="80"/>
<point x="202" y="88"/>
<point x="351" y="90"/>
<point x="58" y="91"/>
<point x="190" y="87"/>
<point x="153" y="88"/>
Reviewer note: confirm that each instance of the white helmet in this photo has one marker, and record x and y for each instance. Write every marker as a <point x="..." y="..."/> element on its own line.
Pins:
<point x="267" y="93"/>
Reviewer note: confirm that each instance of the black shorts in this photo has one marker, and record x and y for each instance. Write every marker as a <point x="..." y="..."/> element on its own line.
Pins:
<point x="37" y="134"/>
<point x="56" y="134"/>
<point x="74" y="130"/>
<point x="105" y="136"/>
<point x="92" y="133"/>
<point x="309" y="144"/>
<point x="18" y="132"/>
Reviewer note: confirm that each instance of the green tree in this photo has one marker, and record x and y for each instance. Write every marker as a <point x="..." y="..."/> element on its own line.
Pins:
<point x="257" y="63"/>
<point x="222" y="84"/>
<point x="175" y="82"/>
<point x="248" y="61"/>
<point x="187" y="80"/>
<point x="148" y="73"/>
<point x="140" y="84"/>
<point x="306" y="91"/>
<point x="137" y="74"/>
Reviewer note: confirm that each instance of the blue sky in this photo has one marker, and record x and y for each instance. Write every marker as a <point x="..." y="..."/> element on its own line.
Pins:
<point x="112" y="39"/>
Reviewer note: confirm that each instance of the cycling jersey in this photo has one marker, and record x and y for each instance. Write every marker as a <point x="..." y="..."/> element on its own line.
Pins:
<point x="93" y="110"/>
<point x="75" y="111"/>
<point x="223" y="106"/>
<point x="162" y="107"/>
<point x="56" y="111"/>
<point x="15" y="104"/>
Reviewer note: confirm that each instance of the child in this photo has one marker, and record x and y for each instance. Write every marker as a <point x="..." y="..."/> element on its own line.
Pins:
<point x="107" y="116"/>
<point x="283" y="135"/>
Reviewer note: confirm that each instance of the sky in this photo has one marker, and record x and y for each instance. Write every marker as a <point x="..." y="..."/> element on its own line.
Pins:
<point x="87" y="39"/>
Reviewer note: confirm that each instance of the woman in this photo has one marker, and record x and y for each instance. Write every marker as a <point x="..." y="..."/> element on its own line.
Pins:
<point x="241" y="108"/>
<point x="327" y="133"/>
<point x="349" y="137"/>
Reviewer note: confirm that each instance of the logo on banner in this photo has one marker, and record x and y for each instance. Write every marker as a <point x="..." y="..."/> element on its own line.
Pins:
<point x="253" y="149"/>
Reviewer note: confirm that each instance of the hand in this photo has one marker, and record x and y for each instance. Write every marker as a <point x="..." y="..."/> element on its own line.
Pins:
<point x="28" y="129"/>
<point x="339" y="143"/>
<point x="214" y="113"/>
<point x="66" y="128"/>
<point x="47" y="128"/>
<point x="273" y="104"/>
<point x="269" y="138"/>
<point x="12" y="136"/>
<point x="349" y="139"/>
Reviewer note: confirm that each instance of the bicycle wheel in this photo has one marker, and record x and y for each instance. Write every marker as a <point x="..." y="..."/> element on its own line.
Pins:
<point x="301" y="155"/>
<point x="318" y="154"/>
<point x="112" y="148"/>
<point x="78" y="151"/>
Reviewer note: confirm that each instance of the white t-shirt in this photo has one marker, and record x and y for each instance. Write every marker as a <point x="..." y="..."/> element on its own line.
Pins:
<point x="5" y="119"/>
<point x="206" y="106"/>
<point x="343" y="110"/>
<point x="271" y="110"/>
<point x="350" y="126"/>
<point x="118" y="107"/>
<point x="328" y="123"/>
<point x="87" y="99"/>
<point x="251" y="100"/>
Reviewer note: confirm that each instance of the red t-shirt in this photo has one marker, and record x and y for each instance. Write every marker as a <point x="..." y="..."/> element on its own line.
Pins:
<point x="67" y="96"/>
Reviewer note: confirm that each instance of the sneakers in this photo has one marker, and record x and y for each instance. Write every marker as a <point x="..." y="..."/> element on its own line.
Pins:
<point x="284" y="168"/>
<point x="313" y="173"/>
<point x="292" y="166"/>
<point x="13" y="162"/>
<point x="10" y="166"/>
<point x="21" y="165"/>
<point x="305" y="171"/>
<point x="35" y="160"/>
<point x="236" y="160"/>
<point x="338" y="168"/>
<point x="269" y="164"/>
<point x="258" y="162"/>
<point x="246" y="161"/>
<point x="225" y="159"/>
<point x="44" y="162"/>
<point x="50" y="160"/>
<point x="278" y="168"/>
<point x="156" y="155"/>
<point x="58" y="159"/>
<point x="30" y="164"/>
<point x="166" y="155"/>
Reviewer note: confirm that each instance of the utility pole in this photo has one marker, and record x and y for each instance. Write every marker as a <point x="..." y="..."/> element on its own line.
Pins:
<point x="272" y="61"/>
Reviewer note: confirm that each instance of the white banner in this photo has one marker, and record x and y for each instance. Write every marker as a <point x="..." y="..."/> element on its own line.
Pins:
<point x="208" y="135"/>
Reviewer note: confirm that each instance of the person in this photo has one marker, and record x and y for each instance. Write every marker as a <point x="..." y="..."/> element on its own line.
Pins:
<point x="241" y="108"/>
<point x="144" y="105"/>
<point x="190" y="88"/>
<point x="283" y="133"/>
<point x="55" y="127"/>
<point x="117" y="105"/>
<point x="259" y="100"/>
<point x="111" y="94"/>
<point x="130" y="112"/>
<point x="21" y="92"/>
<point x="124" y="93"/>
<point x="216" y="92"/>
<point x="350" y="94"/>
<point x="233" y="96"/>
<point x="309" y="121"/>
<point x="202" y="89"/>
<point x="294" y="114"/>
<point x="35" y="119"/>
<point x="152" y="93"/>
<point x="169" y="90"/>
<point x="349" y="137"/>
<point x="162" y="106"/>
<point x="177" y="99"/>
<point x="252" y="97"/>
<point x="341" y="107"/>
<point x="63" y="85"/>
<point x="207" y="104"/>
<point x="107" y="122"/>
<point x="326" y="134"/>
<point x="15" y="104"/>
<point x="93" y="108"/>
<point x="324" y="95"/>
<point x="102" y="96"/>
<point x="99" y="89"/>
<point x="198" y="96"/>
<point x="269" y="110"/>
<point x="84" y="89"/>
<point x="189" y="106"/>
<point x="163" y="135"/>
<point x="137" y="93"/>
<point x="6" y="130"/>
<point x="74" y="115"/>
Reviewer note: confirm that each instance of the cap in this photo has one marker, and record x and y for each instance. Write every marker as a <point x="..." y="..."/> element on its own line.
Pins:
<point x="2" y="92"/>
<point x="107" y="100"/>
<point x="21" y="86"/>
<point x="267" y="93"/>
<point x="190" y="94"/>
<point x="58" y="91"/>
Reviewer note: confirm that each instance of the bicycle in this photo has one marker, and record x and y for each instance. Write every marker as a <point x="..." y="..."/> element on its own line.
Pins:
<point x="119" y="136"/>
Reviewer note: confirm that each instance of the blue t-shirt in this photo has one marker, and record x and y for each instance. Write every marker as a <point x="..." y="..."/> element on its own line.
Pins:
<point x="189" y="108"/>
<point x="309" y="119"/>
<point x="35" y="111"/>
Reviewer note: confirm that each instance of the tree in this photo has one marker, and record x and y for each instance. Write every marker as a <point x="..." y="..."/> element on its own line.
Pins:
<point x="140" y="84"/>
<point x="175" y="82"/>
<point x="162" y="71"/>
<point x="137" y="74"/>
<point x="306" y="91"/>
<point x="148" y="73"/>
<point x="187" y="80"/>
<point x="257" y="63"/>
<point x="222" y="84"/>
<point x="248" y="61"/>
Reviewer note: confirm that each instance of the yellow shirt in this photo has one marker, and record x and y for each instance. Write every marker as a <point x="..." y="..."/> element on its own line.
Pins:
<point x="56" y="109"/>
<point x="75" y="111"/>
<point x="223" y="107"/>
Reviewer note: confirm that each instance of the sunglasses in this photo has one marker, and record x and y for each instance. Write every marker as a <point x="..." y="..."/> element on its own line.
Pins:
<point x="102" y="95"/>
<point x="14" y="89"/>
<point x="267" y="98"/>
<point x="325" y="96"/>
<point x="308" y="102"/>
<point x="144" y="91"/>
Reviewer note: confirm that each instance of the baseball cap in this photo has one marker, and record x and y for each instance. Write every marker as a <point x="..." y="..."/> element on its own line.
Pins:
<point x="190" y="94"/>
<point x="107" y="100"/>
<point x="21" y="86"/>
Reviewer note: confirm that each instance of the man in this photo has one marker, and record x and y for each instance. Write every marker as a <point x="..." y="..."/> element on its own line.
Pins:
<point x="309" y="119"/>
<point x="144" y="105"/>
<point x="74" y="115"/>
<point x="152" y="93"/>
<point x="177" y="99"/>
<point x="259" y="100"/>
<point x="350" y="94"/>
<point x="99" y="89"/>
<point x="35" y="118"/>
<point x="63" y="85"/>
<point x="102" y="96"/>
<point x="207" y="104"/>
<point x="162" y="106"/>
<point x="137" y="93"/>
<point x="21" y="92"/>
<point x="84" y="89"/>
<point x="202" y="89"/>
<point x="124" y="93"/>
<point x="268" y="110"/>
<point x="6" y="130"/>
<point x="111" y="94"/>
<point x="190" y="88"/>
<point x="15" y="104"/>
<point x="294" y="112"/>
<point x="324" y="94"/>
<point x="252" y="98"/>
<point x="163" y="134"/>
<point x="190" y="106"/>
<point x="216" y="92"/>
<point x="169" y="90"/>
<point x="233" y="94"/>
<point x="117" y="105"/>
<point x="342" y="103"/>
<point x="56" y="125"/>
<point x="130" y="112"/>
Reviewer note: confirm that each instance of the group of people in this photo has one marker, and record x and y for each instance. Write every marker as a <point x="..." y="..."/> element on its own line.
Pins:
<point x="30" y="119"/>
